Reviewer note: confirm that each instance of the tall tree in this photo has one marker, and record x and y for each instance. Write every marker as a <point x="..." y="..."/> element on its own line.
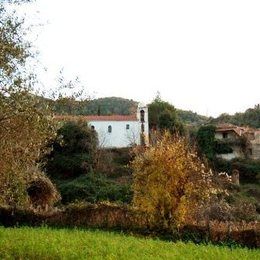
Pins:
<point x="163" y="116"/>
<point x="25" y="121"/>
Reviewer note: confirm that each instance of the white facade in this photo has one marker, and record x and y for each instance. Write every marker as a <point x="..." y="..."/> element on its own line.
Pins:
<point x="121" y="131"/>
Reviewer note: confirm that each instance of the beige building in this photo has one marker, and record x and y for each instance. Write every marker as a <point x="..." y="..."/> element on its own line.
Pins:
<point x="244" y="141"/>
<point x="255" y="145"/>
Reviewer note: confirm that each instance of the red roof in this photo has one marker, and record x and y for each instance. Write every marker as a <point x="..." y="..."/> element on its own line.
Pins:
<point x="97" y="118"/>
<point x="229" y="127"/>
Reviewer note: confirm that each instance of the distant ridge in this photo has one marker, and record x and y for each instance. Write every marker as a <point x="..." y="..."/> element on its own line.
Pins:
<point x="251" y="117"/>
<point x="122" y="106"/>
<point x="117" y="106"/>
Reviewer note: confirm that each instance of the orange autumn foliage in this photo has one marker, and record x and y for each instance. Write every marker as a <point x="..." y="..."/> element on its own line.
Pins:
<point x="171" y="183"/>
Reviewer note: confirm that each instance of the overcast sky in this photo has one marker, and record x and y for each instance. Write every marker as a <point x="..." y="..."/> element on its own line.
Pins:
<point x="201" y="55"/>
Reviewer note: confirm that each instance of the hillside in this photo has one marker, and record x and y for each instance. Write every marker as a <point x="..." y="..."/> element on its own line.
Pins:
<point x="251" y="117"/>
<point x="191" y="118"/>
<point x="101" y="106"/>
<point x="110" y="105"/>
<point x="123" y="106"/>
<point x="116" y="105"/>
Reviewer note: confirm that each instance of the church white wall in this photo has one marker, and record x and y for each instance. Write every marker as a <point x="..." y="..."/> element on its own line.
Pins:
<point x="120" y="136"/>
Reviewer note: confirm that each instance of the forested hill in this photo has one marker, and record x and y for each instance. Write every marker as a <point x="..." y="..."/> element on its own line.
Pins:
<point x="191" y="118"/>
<point x="251" y="117"/>
<point x="100" y="106"/>
<point x="116" y="105"/>
<point x="110" y="105"/>
<point x="122" y="106"/>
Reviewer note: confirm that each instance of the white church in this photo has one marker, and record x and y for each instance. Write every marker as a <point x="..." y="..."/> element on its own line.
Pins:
<point x="118" y="131"/>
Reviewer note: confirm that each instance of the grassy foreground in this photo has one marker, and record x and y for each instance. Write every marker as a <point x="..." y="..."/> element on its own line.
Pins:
<point x="47" y="243"/>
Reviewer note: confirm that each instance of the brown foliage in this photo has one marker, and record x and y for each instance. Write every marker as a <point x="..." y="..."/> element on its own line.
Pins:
<point x="42" y="192"/>
<point x="170" y="181"/>
<point x="26" y="126"/>
<point x="25" y="121"/>
<point x="107" y="215"/>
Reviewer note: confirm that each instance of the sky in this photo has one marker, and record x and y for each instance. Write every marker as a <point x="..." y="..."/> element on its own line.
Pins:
<point x="201" y="55"/>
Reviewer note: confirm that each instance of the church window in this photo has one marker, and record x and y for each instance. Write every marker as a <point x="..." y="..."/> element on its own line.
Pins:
<point x="142" y="115"/>
<point x="109" y="129"/>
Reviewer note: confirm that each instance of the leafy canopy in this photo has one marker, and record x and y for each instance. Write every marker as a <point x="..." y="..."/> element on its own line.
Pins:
<point x="170" y="181"/>
<point x="73" y="150"/>
<point x="25" y="122"/>
<point x="163" y="116"/>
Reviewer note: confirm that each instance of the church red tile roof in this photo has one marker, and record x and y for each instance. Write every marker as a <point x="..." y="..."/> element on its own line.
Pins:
<point x="97" y="118"/>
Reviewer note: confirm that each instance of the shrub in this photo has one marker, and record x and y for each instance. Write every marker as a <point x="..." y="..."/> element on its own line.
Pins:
<point x="42" y="192"/>
<point x="206" y="141"/>
<point x="25" y="129"/>
<point x="248" y="169"/>
<point x="74" y="150"/>
<point x="26" y="122"/>
<point x="170" y="181"/>
<point x="94" y="187"/>
<point x="221" y="210"/>
<point x="114" y="162"/>
<point x="114" y="216"/>
<point x="163" y="116"/>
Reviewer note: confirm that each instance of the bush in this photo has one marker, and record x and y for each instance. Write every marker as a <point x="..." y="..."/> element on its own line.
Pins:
<point x="74" y="151"/>
<point x="113" y="216"/>
<point x="170" y="181"/>
<point x="114" y="162"/>
<point x="42" y="192"/>
<point x="248" y="169"/>
<point x="222" y="148"/>
<point x="26" y="122"/>
<point x="94" y="187"/>
<point x="206" y="141"/>
<point x="238" y="210"/>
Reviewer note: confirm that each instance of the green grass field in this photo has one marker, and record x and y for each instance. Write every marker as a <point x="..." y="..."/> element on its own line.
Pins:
<point x="47" y="243"/>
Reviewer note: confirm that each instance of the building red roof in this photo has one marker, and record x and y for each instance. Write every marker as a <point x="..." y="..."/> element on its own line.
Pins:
<point x="229" y="127"/>
<point x="97" y="118"/>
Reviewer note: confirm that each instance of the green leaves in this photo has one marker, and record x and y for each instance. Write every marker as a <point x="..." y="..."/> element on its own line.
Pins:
<point x="163" y="116"/>
<point x="206" y="141"/>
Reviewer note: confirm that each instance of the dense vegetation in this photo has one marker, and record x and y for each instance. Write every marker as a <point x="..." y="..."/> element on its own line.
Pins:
<point x="163" y="116"/>
<point x="251" y="117"/>
<point x="100" y="106"/>
<point x="170" y="181"/>
<point x="26" y="124"/>
<point x="167" y="181"/>
<point x="46" y="243"/>
<point x="191" y="118"/>
<point x="116" y="105"/>
<point x="74" y="150"/>
<point x="81" y="171"/>
<point x="93" y="187"/>
<point x="208" y="145"/>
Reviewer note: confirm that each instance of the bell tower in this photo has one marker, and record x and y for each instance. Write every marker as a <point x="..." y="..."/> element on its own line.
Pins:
<point x="142" y="116"/>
